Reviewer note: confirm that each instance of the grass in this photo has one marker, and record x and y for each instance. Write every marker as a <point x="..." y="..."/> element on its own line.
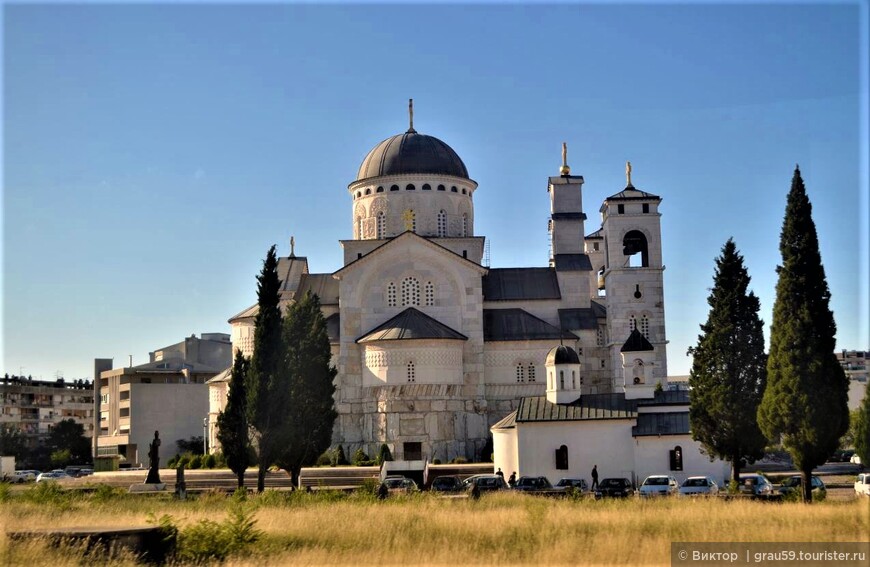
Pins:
<point x="516" y="529"/>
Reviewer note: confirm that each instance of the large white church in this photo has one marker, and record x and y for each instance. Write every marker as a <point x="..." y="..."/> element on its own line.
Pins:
<point x="433" y="348"/>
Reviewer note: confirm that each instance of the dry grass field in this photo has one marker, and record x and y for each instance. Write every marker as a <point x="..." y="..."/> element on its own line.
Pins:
<point x="500" y="529"/>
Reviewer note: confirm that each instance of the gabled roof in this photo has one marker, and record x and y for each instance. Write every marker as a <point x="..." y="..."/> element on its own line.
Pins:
<point x="290" y="269"/>
<point x="223" y="376"/>
<point x="411" y="324"/>
<point x="668" y="423"/>
<point x="587" y="407"/>
<point x="323" y="285"/>
<point x="632" y="194"/>
<point x="636" y="343"/>
<point x="580" y="318"/>
<point x="247" y="313"/>
<point x="518" y="325"/>
<point x="511" y="284"/>
<point x="598" y="309"/>
<point x="404" y="236"/>
<point x="572" y="263"/>
<point x="597" y="234"/>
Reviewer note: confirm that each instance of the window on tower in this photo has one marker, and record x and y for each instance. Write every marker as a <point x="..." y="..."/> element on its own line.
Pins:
<point x="391" y="295"/>
<point x="521" y="376"/>
<point x="382" y="225"/>
<point x="634" y="246"/>
<point x="644" y="326"/>
<point x="430" y="294"/>
<point x="464" y="224"/>
<point x="410" y="292"/>
<point x="531" y="372"/>
<point x="442" y="223"/>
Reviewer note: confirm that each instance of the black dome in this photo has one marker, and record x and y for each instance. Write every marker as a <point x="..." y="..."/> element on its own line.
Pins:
<point x="412" y="153"/>
<point x="562" y="355"/>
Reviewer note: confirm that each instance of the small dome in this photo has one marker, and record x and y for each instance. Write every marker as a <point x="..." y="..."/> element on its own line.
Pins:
<point x="411" y="153"/>
<point x="562" y="355"/>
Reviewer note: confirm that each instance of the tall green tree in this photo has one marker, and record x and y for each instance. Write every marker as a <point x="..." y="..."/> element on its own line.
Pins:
<point x="268" y="392"/>
<point x="805" y="402"/>
<point x="862" y="430"/>
<point x="232" y="422"/>
<point x="307" y="363"/>
<point x="13" y="443"/>
<point x="729" y="368"/>
<point x="70" y="435"/>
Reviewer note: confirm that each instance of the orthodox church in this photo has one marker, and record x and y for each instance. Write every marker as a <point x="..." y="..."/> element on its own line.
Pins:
<point x="433" y="348"/>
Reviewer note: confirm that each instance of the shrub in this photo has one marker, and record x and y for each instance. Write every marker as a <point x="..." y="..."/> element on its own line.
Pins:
<point x="369" y="486"/>
<point x="384" y="454"/>
<point x="207" y="540"/>
<point x="220" y="461"/>
<point x="436" y="461"/>
<point x="46" y="492"/>
<point x="209" y="462"/>
<point x="183" y="461"/>
<point x="173" y="462"/>
<point x="196" y="462"/>
<point x="325" y="459"/>
<point x="459" y="460"/>
<point x="360" y="457"/>
<point x="106" y="493"/>
<point x="339" y="458"/>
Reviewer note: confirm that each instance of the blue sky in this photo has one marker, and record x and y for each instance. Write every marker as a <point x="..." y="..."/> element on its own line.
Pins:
<point x="153" y="153"/>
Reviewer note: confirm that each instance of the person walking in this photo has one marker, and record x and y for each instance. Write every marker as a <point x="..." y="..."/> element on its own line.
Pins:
<point x="499" y="473"/>
<point x="594" y="477"/>
<point x="512" y="481"/>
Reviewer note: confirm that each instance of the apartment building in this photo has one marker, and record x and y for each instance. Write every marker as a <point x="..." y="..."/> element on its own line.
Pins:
<point x="35" y="406"/>
<point x="855" y="363"/>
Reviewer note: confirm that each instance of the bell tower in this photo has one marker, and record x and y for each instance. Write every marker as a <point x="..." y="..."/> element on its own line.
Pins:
<point x="633" y="279"/>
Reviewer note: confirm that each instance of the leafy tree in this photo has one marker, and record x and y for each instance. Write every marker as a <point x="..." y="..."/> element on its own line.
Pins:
<point x="311" y="406"/>
<point x="60" y="458"/>
<point x="862" y="430"/>
<point x="267" y="388"/>
<point x="805" y="402"/>
<point x="13" y="443"/>
<point x="70" y="435"/>
<point x="232" y="423"/>
<point x="729" y="368"/>
<point x="192" y="445"/>
<point x="847" y="441"/>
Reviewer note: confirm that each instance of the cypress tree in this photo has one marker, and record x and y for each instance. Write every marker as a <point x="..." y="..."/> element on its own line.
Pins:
<point x="267" y="391"/>
<point x="307" y="363"/>
<point x="232" y="423"/>
<point x="862" y="430"/>
<point x="805" y="402"/>
<point x="729" y="370"/>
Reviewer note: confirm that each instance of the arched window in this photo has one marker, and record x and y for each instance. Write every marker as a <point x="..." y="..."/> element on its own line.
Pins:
<point x="394" y="188"/>
<point x="382" y="225"/>
<point x="442" y="223"/>
<point x="454" y="189"/>
<point x="430" y="294"/>
<point x="410" y="292"/>
<point x="379" y="190"/>
<point x="358" y="194"/>
<point x="409" y="187"/>
<point x="561" y="379"/>
<point x="632" y="322"/>
<point x="441" y="188"/>
<point x="573" y="379"/>
<point x="427" y="187"/>
<point x="391" y="295"/>
<point x="359" y="228"/>
<point x="635" y="244"/>
<point x="531" y="372"/>
<point x="551" y="381"/>
<point x="521" y="375"/>
<point x="411" y="375"/>
<point x="562" y="458"/>
<point x="463" y="191"/>
<point x="464" y="224"/>
<point x="644" y="326"/>
<point x="637" y="371"/>
<point x="369" y="191"/>
<point x="599" y="336"/>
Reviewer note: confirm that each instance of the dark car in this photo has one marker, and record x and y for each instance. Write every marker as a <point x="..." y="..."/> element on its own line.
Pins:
<point x="577" y="484"/>
<point x="795" y="482"/>
<point x="484" y="482"/>
<point x="447" y="483"/>
<point x="614" y="487"/>
<point x="533" y="483"/>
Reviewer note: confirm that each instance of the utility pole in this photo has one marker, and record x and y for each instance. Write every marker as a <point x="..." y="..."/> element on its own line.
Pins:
<point x="205" y="435"/>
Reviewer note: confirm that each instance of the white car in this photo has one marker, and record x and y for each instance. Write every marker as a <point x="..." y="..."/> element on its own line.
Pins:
<point x="862" y="484"/>
<point x="53" y="475"/>
<point x="658" y="485"/>
<point x="699" y="486"/>
<point x="855" y="460"/>
<point x="18" y="477"/>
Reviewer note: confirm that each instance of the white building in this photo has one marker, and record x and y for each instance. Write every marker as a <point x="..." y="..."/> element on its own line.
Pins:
<point x="432" y="347"/>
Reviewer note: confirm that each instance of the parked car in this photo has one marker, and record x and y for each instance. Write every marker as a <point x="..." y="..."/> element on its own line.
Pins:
<point x="658" y="485"/>
<point x="855" y="460"/>
<point x="699" y="486"/>
<point x="577" y="484"/>
<point x="533" y="483"/>
<point x="485" y="482"/>
<point x="400" y="484"/>
<point x="862" y="484"/>
<point x="17" y="477"/>
<point x="615" y="487"/>
<point x="794" y="482"/>
<point x="86" y="472"/>
<point x="52" y="475"/>
<point x="755" y="485"/>
<point x="446" y="483"/>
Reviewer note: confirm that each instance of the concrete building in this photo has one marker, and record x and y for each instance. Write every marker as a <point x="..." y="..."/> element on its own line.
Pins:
<point x="432" y="346"/>
<point x="168" y="394"/>
<point x="855" y="364"/>
<point x="35" y="406"/>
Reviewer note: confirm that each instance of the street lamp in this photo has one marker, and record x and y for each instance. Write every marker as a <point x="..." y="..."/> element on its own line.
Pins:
<point x="205" y="435"/>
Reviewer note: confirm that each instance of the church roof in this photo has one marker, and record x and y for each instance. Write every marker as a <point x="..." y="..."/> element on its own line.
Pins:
<point x="583" y="318"/>
<point x="323" y="285"/>
<point x="518" y="325"/>
<point x="245" y="314"/>
<point x="587" y="407"/>
<point x="667" y="398"/>
<point x="597" y="234"/>
<point x="411" y="324"/>
<point x="512" y="284"/>
<point x="411" y="152"/>
<point x="572" y="263"/>
<point x="290" y="269"/>
<point x="630" y="193"/>
<point x="665" y="423"/>
<point x="562" y="354"/>
<point x="636" y="343"/>
<point x="223" y="376"/>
